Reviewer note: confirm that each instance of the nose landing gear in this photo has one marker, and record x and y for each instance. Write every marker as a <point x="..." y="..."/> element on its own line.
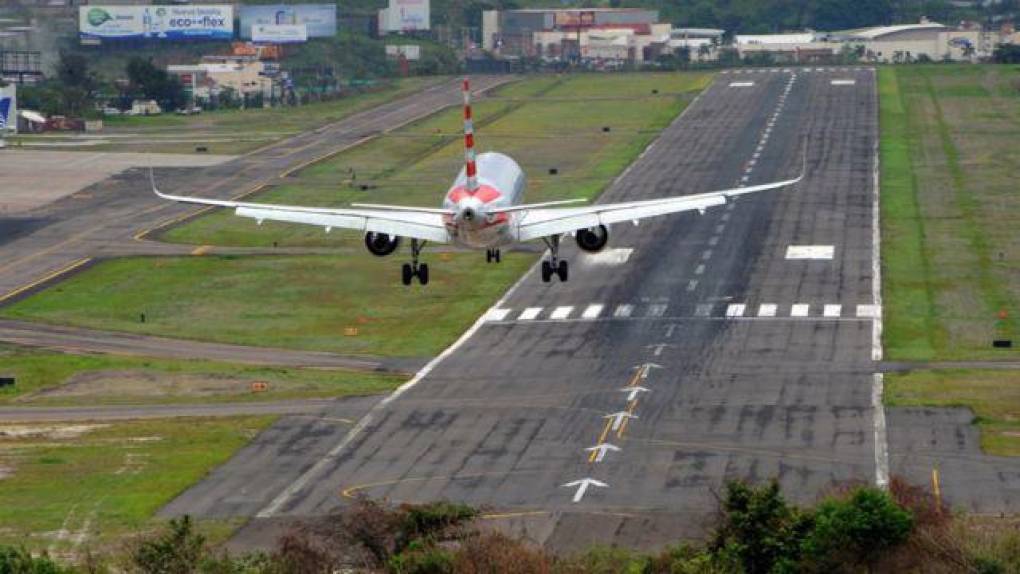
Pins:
<point x="554" y="266"/>
<point x="492" y="255"/>
<point x="411" y="270"/>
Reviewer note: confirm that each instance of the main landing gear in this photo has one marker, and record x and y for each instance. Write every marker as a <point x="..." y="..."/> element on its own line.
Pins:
<point x="553" y="266"/>
<point x="492" y="255"/>
<point x="413" y="269"/>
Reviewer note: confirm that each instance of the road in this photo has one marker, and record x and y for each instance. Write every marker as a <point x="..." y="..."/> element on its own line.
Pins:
<point x="340" y="411"/>
<point x="108" y="218"/>
<point x="716" y="351"/>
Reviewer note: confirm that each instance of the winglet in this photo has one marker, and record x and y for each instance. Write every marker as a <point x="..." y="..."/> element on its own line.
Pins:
<point x="152" y="181"/>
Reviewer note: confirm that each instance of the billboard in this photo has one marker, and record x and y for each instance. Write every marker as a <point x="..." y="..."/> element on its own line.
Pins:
<point x="205" y="22"/>
<point x="408" y="51"/>
<point x="279" y="33"/>
<point x="405" y="16"/>
<point x="319" y="20"/>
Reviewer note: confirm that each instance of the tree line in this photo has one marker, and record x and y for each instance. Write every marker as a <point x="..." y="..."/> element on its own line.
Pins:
<point x="853" y="529"/>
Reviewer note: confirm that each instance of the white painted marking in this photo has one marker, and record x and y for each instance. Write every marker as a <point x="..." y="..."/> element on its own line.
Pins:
<point x="843" y="82"/>
<point x="810" y="252"/>
<point x="561" y="312"/>
<point x="495" y="314"/>
<point x="669" y="331"/>
<point x="800" y="310"/>
<point x="657" y="310"/>
<point x="720" y="228"/>
<point x="715" y="238"/>
<point x="741" y="84"/>
<point x="623" y="311"/>
<point x="646" y="368"/>
<point x="868" y="311"/>
<point x="592" y="312"/>
<point x="619" y="417"/>
<point x="582" y="487"/>
<point x="601" y="449"/>
<point x="699" y="269"/>
<point x="703" y="310"/>
<point x="736" y="310"/>
<point x="530" y="313"/>
<point x="692" y="284"/>
<point x="832" y="310"/>
<point x="608" y="257"/>
<point x="745" y="178"/>
<point x="878" y="385"/>
<point x="725" y="217"/>
<point x="767" y="310"/>
<point x="633" y="392"/>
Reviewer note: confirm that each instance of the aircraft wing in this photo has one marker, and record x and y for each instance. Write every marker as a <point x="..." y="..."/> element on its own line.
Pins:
<point x="426" y="224"/>
<point x="538" y="223"/>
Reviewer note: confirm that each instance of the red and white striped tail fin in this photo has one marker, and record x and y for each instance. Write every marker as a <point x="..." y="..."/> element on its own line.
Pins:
<point x="469" y="141"/>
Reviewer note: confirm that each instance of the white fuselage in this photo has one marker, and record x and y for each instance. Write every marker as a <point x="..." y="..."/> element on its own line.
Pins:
<point x="501" y="185"/>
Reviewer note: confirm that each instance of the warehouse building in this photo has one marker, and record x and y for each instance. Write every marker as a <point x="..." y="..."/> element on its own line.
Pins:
<point x="616" y="34"/>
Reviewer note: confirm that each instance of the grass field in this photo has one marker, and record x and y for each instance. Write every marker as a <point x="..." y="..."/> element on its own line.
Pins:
<point x="994" y="396"/>
<point x="49" y="378"/>
<point x="71" y="487"/>
<point x="951" y="251"/>
<point x="545" y="122"/>
<point x="304" y="302"/>
<point x="310" y="302"/>
<point x="951" y="263"/>
<point x="237" y="131"/>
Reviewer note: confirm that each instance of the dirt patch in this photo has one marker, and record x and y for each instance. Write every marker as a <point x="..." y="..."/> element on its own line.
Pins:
<point x="137" y="383"/>
<point x="53" y="432"/>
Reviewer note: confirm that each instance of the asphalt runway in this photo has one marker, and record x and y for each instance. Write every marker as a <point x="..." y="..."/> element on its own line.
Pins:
<point x="715" y="350"/>
<point x="110" y="218"/>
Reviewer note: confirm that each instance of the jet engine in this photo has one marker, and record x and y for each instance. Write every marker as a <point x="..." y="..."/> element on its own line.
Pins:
<point x="381" y="244"/>
<point x="592" y="239"/>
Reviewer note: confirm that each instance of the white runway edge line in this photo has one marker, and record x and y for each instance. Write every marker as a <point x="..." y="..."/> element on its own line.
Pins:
<point x="277" y="503"/>
<point x="878" y="382"/>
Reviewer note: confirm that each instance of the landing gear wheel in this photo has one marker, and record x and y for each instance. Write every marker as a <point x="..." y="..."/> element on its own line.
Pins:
<point x="546" y="271"/>
<point x="423" y="274"/>
<point x="407" y="273"/>
<point x="492" y="255"/>
<point x="561" y="270"/>
<point x="496" y="255"/>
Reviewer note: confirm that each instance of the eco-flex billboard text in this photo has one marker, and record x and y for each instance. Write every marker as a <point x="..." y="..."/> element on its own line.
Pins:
<point x="205" y="22"/>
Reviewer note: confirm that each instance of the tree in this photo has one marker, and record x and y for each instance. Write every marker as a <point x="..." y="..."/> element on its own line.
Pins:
<point x="77" y="83"/>
<point x="858" y="530"/>
<point x="1006" y="54"/>
<point x="177" y="550"/>
<point x="760" y="532"/>
<point x="155" y="83"/>
<point x="20" y="561"/>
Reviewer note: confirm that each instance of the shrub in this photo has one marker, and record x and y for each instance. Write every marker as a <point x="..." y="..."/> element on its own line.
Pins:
<point x="857" y="530"/>
<point x="20" y="561"/>
<point x="759" y="531"/>
<point x="495" y="552"/>
<point x="177" y="550"/>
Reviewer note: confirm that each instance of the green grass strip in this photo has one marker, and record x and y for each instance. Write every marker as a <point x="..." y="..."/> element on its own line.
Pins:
<point x="911" y="329"/>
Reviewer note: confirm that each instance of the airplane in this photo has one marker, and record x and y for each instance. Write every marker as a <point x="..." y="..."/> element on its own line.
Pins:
<point x="481" y="210"/>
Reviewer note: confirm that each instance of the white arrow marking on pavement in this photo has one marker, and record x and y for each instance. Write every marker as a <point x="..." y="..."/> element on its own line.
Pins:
<point x="619" y="417"/>
<point x="658" y="348"/>
<point x="647" y="367"/>
<point x="633" y="392"/>
<point x="601" y="449"/>
<point x="582" y="486"/>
